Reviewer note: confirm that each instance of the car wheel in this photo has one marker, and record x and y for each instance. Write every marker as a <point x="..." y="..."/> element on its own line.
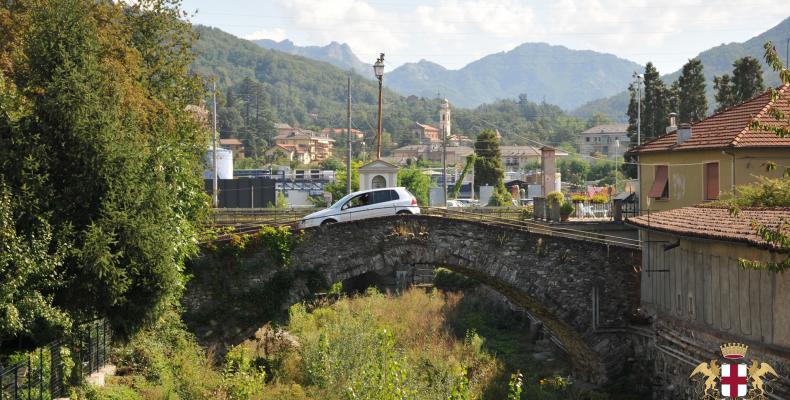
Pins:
<point x="327" y="222"/>
<point x="403" y="212"/>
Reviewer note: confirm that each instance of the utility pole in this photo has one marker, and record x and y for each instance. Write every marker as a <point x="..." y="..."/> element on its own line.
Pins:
<point x="215" y="187"/>
<point x="348" y="137"/>
<point x="444" y="163"/>
<point x="638" y="129"/>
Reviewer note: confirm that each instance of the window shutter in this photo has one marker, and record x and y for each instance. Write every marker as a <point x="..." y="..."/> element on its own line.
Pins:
<point x="712" y="181"/>
<point x="660" y="182"/>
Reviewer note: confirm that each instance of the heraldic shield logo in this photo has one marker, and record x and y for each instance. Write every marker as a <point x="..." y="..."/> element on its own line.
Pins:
<point x="734" y="378"/>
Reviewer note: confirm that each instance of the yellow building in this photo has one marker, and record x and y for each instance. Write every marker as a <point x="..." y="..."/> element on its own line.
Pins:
<point x="704" y="161"/>
<point x="318" y="147"/>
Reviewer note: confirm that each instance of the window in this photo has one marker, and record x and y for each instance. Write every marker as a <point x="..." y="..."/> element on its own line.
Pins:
<point x="358" y="201"/>
<point x="587" y="139"/>
<point x="605" y="149"/>
<point x="711" y="176"/>
<point x="381" y="196"/>
<point x="394" y="195"/>
<point x="660" y="188"/>
<point x="378" y="182"/>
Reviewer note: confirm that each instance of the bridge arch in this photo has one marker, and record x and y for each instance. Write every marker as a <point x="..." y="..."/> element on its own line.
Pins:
<point x="582" y="291"/>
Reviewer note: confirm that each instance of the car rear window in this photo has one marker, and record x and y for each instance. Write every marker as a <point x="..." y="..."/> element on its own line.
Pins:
<point x="394" y="195"/>
<point x="381" y="196"/>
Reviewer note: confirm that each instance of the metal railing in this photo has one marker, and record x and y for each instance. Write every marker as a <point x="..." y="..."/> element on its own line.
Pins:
<point x="511" y="217"/>
<point x="41" y="375"/>
<point x="533" y="226"/>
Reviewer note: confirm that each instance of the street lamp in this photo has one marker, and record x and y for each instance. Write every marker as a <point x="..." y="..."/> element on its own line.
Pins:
<point x="378" y="69"/>
<point x="616" y="161"/>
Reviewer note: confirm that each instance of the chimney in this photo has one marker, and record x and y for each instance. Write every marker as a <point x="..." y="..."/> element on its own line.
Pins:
<point x="672" y="122"/>
<point x="684" y="133"/>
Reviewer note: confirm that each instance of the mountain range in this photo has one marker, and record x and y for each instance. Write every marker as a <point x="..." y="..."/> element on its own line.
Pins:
<point x="337" y="54"/>
<point x="584" y="81"/>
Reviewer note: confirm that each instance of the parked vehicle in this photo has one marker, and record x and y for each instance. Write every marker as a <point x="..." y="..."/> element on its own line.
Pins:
<point x="468" y="202"/>
<point x="454" y="203"/>
<point x="365" y="204"/>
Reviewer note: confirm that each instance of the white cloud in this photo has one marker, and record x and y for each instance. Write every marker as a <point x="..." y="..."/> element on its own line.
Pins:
<point x="276" y="34"/>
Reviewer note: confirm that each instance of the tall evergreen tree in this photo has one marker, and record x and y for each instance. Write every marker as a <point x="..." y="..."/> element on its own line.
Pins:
<point x="692" y="103"/>
<point x="488" y="164"/>
<point x="655" y="106"/>
<point x="747" y="78"/>
<point x="725" y="92"/>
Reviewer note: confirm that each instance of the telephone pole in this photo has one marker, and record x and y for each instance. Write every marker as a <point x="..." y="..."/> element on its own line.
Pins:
<point x="348" y="138"/>
<point x="215" y="187"/>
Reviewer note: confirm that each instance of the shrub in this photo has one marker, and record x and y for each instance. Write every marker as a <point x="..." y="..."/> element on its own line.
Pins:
<point x="600" y="198"/>
<point x="555" y="197"/>
<point x="501" y="197"/>
<point x="577" y="198"/>
<point x="566" y="209"/>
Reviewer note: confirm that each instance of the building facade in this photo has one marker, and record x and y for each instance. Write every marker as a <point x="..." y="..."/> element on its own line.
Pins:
<point x="356" y="134"/>
<point x="456" y="155"/>
<point x="425" y="133"/>
<point x="516" y="158"/>
<point x="602" y="141"/>
<point x="234" y="145"/>
<point x="707" y="160"/>
<point x="318" y="147"/>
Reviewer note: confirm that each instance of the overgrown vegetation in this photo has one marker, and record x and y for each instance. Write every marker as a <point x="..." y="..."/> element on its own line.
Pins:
<point x="415" y="346"/>
<point x="99" y="161"/>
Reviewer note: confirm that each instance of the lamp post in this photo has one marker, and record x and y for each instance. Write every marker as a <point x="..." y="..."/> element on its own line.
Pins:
<point x="616" y="161"/>
<point x="378" y="69"/>
<point x="638" y="80"/>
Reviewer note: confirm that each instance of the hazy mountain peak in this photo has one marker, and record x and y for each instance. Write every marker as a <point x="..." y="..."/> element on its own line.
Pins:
<point x="335" y="53"/>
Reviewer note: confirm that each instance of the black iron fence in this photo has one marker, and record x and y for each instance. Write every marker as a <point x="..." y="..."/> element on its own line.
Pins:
<point x="45" y="373"/>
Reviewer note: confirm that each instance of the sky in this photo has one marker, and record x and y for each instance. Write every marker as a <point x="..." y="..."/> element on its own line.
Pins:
<point x="454" y="33"/>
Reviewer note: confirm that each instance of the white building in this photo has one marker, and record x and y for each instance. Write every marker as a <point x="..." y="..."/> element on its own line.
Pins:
<point x="602" y="141"/>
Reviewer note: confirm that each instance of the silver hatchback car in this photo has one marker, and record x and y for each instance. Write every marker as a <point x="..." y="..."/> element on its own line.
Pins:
<point x="365" y="204"/>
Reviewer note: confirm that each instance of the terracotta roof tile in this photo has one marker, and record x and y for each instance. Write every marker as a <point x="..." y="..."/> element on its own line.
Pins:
<point x="730" y="128"/>
<point x="715" y="222"/>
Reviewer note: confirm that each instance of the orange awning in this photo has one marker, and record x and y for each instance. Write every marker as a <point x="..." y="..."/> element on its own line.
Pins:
<point x="660" y="182"/>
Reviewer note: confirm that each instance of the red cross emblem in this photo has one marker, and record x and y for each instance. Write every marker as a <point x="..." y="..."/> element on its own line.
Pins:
<point x="734" y="380"/>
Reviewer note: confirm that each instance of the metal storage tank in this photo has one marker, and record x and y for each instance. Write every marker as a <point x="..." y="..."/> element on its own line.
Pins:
<point x="224" y="164"/>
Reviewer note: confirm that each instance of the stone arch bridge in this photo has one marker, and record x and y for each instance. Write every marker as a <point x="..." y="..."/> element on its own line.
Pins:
<point x="584" y="292"/>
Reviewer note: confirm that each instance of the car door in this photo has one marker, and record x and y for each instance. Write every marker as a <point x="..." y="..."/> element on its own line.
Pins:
<point x="357" y="207"/>
<point x="383" y="203"/>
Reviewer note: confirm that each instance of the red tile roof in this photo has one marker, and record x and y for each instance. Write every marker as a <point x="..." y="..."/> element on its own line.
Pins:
<point x="730" y="128"/>
<point x="715" y="222"/>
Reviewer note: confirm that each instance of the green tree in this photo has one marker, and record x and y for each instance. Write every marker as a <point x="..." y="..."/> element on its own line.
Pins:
<point x="655" y="106"/>
<point x="100" y="146"/>
<point x="690" y="89"/>
<point x="574" y="169"/>
<point x="747" y="79"/>
<point x="725" y="93"/>
<point x="488" y="163"/>
<point x="598" y="119"/>
<point x="338" y="188"/>
<point x="745" y="84"/>
<point x="416" y="182"/>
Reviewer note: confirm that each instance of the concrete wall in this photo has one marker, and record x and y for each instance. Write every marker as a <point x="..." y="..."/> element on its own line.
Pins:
<point x="686" y="182"/>
<point x="701" y="283"/>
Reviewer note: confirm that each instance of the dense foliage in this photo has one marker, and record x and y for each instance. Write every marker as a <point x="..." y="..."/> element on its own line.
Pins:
<point x="488" y="168"/>
<point x="690" y="92"/>
<point x="100" y="159"/>
<point x="746" y="82"/>
<point x="416" y="182"/>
